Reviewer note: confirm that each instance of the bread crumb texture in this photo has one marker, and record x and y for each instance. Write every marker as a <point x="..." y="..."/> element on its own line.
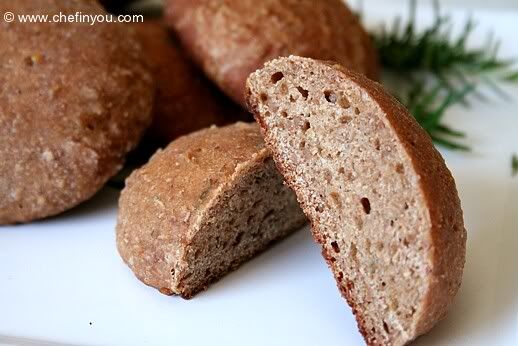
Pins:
<point x="380" y="198"/>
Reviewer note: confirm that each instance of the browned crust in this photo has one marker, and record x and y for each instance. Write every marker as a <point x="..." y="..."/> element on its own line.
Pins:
<point x="231" y="39"/>
<point x="447" y="256"/>
<point x="74" y="99"/>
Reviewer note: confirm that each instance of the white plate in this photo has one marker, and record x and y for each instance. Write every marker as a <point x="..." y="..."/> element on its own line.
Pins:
<point x="61" y="280"/>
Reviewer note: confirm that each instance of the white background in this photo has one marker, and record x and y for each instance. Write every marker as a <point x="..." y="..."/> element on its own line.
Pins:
<point x="62" y="281"/>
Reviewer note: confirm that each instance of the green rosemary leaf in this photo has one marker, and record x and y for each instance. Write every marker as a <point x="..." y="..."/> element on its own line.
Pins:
<point x="449" y="131"/>
<point x="433" y="119"/>
<point x="496" y="88"/>
<point x="468" y="29"/>
<point x="514" y="165"/>
<point x="434" y="50"/>
<point x="449" y="144"/>
<point x="511" y="77"/>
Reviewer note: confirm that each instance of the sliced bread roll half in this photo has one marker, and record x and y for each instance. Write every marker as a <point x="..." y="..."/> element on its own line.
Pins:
<point x="208" y="202"/>
<point x="380" y="198"/>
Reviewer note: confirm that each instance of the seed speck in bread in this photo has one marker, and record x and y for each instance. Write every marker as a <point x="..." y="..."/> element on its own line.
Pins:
<point x="74" y="99"/>
<point x="202" y="206"/>
<point x="379" y="196"/>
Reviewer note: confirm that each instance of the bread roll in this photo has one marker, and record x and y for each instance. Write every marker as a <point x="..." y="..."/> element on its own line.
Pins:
<point x="74" y="99"/>
<point x="231" y="39"/>
<point x="380" y="198"/>
<point x="208" y="202"/>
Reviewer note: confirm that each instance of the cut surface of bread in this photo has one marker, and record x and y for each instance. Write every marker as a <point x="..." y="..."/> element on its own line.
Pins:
<point x="201" y="207"/>
<point x="379" y="196"/>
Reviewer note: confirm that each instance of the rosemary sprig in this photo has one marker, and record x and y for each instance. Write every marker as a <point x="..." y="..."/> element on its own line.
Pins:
<point x="428" y="106"/>
<point x="436" y="70"/>
<point x="514" y="165"/>
<point x="437" y="53"/>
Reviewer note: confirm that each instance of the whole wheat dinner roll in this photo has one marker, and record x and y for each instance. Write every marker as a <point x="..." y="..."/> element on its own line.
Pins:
<point x="381" y="200"/>
<point x="185" y="100"/>
<point x="205" y="204"/>
<point x="74" y="99"/>
<point x="231" y="39"/>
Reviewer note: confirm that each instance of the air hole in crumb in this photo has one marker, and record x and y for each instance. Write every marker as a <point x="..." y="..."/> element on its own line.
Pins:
<point x="303" y="92"/>
<point x="284" y="114"/>
<point x="306" y="126"/>
<point x="238" y="239"/>
<point x="292" y="99"/>
<point x="356" y="111"/>
<point x="400" y="169"/>
<point x="335" y="247"/>
<point x="392" y="223"/>
<point x="319" y="209"/>
<point x="172" y="271"/>
<point x="330" y="96"/>
<point x="341" y="170"/>
<point x="302" y="144"/>
<point x="383" y="284"/>
<point x="340" y="276"/>
<point x="277" y="76"/>
<point x="406" y="206"/>
<point x="264" y="97"/>
<point x="405" y="242"/>
<point x="366" y="205"/>
<point x="267" y="215"/>
<point x="385" y="326"/>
